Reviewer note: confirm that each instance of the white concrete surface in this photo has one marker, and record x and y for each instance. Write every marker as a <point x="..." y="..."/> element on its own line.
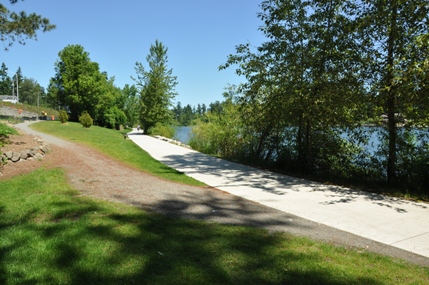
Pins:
<point x="400" y="223"/>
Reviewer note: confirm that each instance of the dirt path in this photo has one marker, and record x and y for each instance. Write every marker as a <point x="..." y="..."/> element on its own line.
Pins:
<point x="98" y="176"/>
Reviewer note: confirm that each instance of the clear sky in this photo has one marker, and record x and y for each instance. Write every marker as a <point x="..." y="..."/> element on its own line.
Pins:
<point x="199" y="35"/>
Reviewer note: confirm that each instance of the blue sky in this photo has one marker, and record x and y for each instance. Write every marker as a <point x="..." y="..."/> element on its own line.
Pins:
<point x="199" y="35"/>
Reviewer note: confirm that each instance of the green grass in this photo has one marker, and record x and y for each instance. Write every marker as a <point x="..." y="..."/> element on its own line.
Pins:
<point x="5" y="131"/>
<point x="50" y="235"/>
<point x="113" y="144"/>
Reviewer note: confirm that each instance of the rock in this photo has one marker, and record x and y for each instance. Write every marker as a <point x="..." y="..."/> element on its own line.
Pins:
<point x="24" y="154"/>
<point x="33" y="151"/>
<point x="45" y="148"/>
<point x="38" y="156"/>
<point x="8" y="154"/>
<point x="16" y="156"/>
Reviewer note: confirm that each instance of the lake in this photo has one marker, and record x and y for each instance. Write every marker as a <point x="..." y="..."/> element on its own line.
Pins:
<point x="183" y="134"/>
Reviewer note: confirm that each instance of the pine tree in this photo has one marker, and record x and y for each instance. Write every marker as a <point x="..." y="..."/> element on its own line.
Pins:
<point x="20" y="26"/>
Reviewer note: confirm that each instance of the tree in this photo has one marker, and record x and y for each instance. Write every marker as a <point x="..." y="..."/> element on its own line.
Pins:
<point x="79" y="86"/>
<point x="77" y="82"/>
<point x="302" y="78"/>
<point x="20" y="26"/>
<point x="30" y="91"/>
<point x="131" y="105"/>
<point x="215" y="107"/>
<point x="396" y="39"/>
<point x="156" y="88"/>
<point x="18" y="76"/>
<point x="5" y="81"/>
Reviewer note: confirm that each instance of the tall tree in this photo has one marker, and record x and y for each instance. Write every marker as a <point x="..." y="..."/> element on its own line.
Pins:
<point x="76" y="84"/>
<point x="20" y="26"/>
<point x="18" y="76"/>
<point x="156" y="87"/>
<point x="396" y="33"/>
<point x="79" y="86"/>
<point x="30" y="91"/>
<point x="131" y="105"/>
<point x="303" y="77"/>
<point x="5" y="81"/>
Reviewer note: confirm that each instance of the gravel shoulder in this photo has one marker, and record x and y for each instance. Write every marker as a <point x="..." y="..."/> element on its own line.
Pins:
<point x="101" y="177"/>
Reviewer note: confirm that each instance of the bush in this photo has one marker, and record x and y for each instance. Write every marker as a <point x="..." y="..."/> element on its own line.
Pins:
<point x="64" y="117"/>
<point x="161" y="130"/>
<point x="85" y="119"/>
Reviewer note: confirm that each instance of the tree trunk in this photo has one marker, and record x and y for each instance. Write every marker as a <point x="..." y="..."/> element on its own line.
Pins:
<point x="391" y="96"/>
<point x="309" y="148"/>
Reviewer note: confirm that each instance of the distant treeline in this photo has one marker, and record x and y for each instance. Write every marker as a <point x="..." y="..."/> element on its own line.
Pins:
<point x="185" y="116"/>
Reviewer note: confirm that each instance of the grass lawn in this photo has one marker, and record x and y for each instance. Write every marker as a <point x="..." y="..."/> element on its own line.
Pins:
<point x="50" y="235"/>
<point x="112" y="143"/>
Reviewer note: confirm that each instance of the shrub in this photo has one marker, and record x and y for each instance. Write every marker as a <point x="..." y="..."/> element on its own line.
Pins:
<point x="64" y="117"/>
<point x="85" y="119"/>
<point x="161" y="130"/>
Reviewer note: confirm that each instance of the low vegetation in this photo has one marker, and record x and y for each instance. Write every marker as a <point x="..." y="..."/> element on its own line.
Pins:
<point x="31" y="108"/>
<point x="5" y="131"/>
<point x="86" y="120"/>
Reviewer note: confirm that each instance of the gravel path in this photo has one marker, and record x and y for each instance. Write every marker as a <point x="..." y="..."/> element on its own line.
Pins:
<point x="99" y="176"/>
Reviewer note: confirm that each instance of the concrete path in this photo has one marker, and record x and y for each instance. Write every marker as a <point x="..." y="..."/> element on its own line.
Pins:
<point x="392" y="221"/>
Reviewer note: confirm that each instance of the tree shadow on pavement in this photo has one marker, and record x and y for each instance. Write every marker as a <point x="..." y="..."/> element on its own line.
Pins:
<point x="229" y="174"/>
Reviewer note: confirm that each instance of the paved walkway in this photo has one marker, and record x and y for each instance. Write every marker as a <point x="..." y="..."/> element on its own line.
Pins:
<point x="392" y="221"/>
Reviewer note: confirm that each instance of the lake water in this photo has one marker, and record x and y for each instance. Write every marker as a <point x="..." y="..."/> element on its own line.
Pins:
<point x="183" y="134"/>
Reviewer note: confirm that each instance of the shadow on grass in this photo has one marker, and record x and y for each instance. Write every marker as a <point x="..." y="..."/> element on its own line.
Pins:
<point x="81" y="241"/>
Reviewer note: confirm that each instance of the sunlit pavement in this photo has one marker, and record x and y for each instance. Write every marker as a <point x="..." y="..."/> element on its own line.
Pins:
<point x="392" y="221"/>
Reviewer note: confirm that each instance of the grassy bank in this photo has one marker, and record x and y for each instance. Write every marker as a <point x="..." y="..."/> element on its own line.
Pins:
<point x="49" y="235"/>
<point x="112" y="143"/>
<point x="5" y="131"/>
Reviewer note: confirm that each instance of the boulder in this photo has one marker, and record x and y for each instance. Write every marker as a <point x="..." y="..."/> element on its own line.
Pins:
<point x="38" y="156"/>
<point x="8" y="154"/>
<point x="24" y="154"/>
<point x="15" y="156"/>
<point x="45" y="148"/>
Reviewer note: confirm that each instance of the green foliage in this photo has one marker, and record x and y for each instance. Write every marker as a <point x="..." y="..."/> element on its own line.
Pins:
<point x="131" y="105"/>
<point x="79" y="86"/>
<point x="5" y="81"/>
<point x="86" y="120"/>
<point x="63" y="116"/>
<point x="326" y="67"/>
<point x="20" y="26"/>
<point x="5" y="131"/>
<point x="156" y="88"/>
<point x="220" y="133"/>
<point x="396" y="49"/>
<point x="114" y="117"/>
<point x="185" y="116"/>
<point x="29" y="91"/>
<point x="161" y="130"/>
